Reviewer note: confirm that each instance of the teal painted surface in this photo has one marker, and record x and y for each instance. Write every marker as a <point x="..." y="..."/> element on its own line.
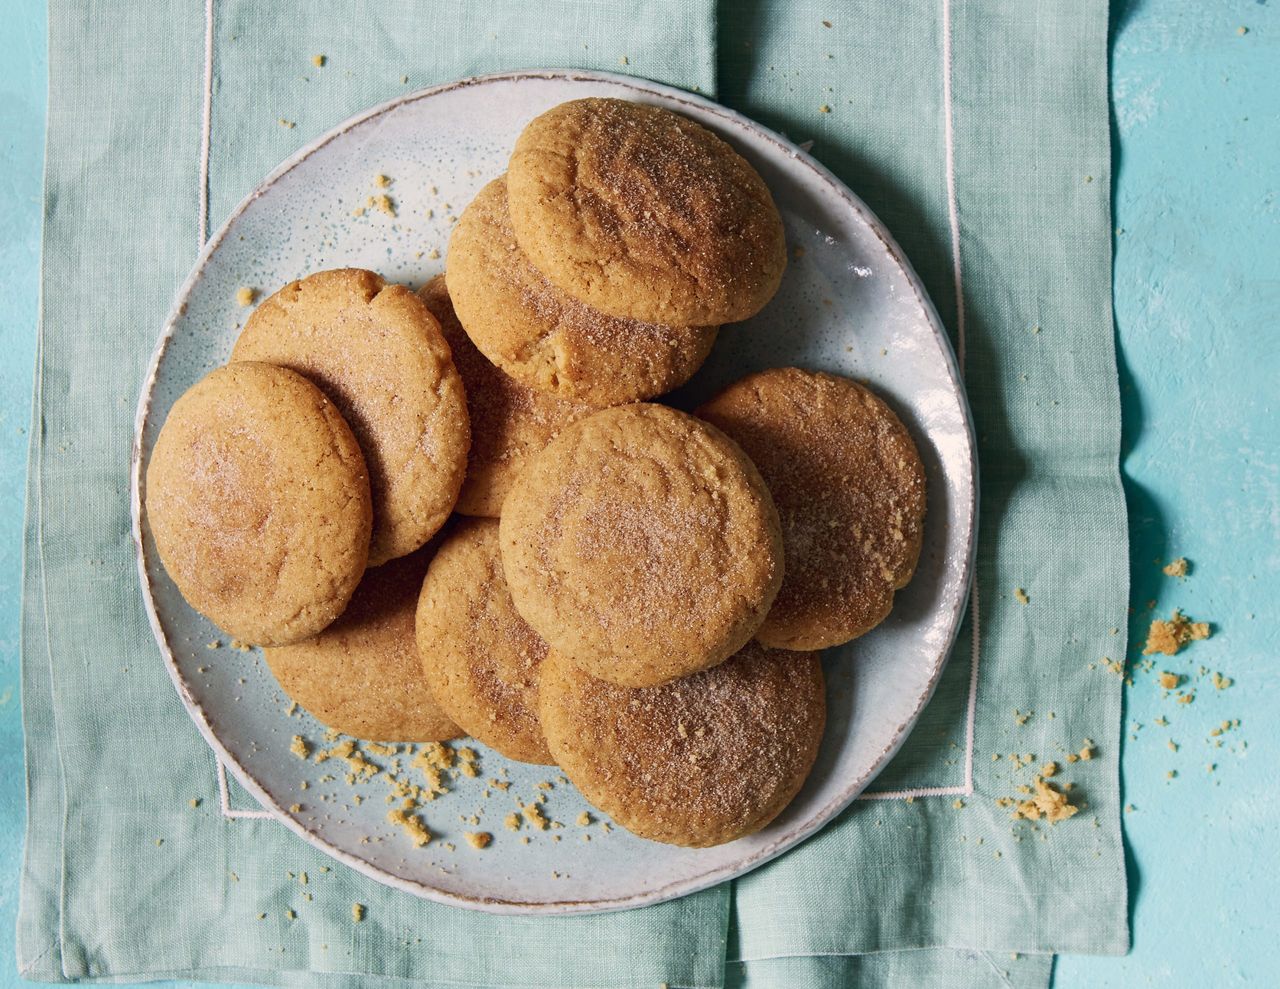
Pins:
<point x="1197" y="296"/>
<point x="22" y="111"/>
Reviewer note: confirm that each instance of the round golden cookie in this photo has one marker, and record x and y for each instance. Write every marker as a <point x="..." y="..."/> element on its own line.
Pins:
<point x="850" y="491"/>
<point x="258" y="500"/>
<point x="642" y="543"/>
<point x="548" y="340"/>
<point x="480" y="657"/>
<point x="509" y="421"/>
<point x="640" y="212"/>
<point x="376" y="351"/>
<point x="699" y="761"/>
<point x="362" y="674"/>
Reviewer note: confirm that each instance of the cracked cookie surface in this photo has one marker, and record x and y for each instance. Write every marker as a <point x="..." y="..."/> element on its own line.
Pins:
<point x="641" y="212"/>
<point x="699" y="761"/>
<point x="510" y="421"/>
<point x="481" y="658"/>
<point x="378" y="353"/>
<point x="258" y="499"/>
<point x="850" y="491"/>
<point x="544" y="337"/>
<point x="642" y="543"/>
<point x="362" y="674"/>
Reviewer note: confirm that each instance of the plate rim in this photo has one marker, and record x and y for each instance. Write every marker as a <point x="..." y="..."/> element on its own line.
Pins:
<point x="678" y="888"/>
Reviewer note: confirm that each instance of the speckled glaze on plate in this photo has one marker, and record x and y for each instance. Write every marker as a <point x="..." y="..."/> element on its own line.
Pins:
<point x="850" y="304"/>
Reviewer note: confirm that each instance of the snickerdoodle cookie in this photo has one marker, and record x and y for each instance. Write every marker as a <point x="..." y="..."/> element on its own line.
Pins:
<point x="509" y="421"/>
<point x="547" y="339"/>
<point x="362" y="674"/>
<point x="481" y="659"/>
<point x="642" y="543"/>
<point x="699" y="761"/>
<point x="640" y="212"/>
<point x="376" y="351"/>
<point x="850" y="491"/>
<point x="258" y="499"/>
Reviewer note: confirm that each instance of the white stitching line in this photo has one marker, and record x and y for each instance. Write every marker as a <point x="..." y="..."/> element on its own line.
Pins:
<point x="224" y="797"/>
<point x="953" y="217"/>
<point x="202" y="226"/>
<point x="206" y="125"/>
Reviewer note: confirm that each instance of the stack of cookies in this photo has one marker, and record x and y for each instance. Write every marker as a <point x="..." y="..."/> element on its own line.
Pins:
<point x="634" y="593"/>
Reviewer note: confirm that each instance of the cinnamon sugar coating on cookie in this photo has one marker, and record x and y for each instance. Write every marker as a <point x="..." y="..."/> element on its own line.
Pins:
<point x="547" y="339"/>
<point x="640" y="212"/>
<point x="850" y="491"/>
<point x="362" y="675"/>
<point x="258" y="500"/>
<point x="509" y="421"/>
<point x="377" y="352"/>
<point x="699" y="761"/>
<point x="643" y="543"/>
<point x="480" y="657"/>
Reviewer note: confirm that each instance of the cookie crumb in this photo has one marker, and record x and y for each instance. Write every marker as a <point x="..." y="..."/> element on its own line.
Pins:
<point x="824" y="108"/>
<point x="1168" y="637"/>
<point x="357" y="912"/>
<point x="194" y="802"/>
<point x="1221" y="682"/>
<point x="299" y="747"/>
<point x="584" y="819"/>
<point x="319" y="60"/>
<point x="479" y="839"/>
<point x="385" y="203"/>
<point x="411" y="825"/>
<point x="533" y="814"/>
<point x="1169" y="681"/>
<point x="287" y="124"/>
<point x="1048" y="802"/>
<point x="381" y="181"/>
<point x="244" y="297"/>
<point x="1178" y="568"/>
<point x="1021" y="595"/>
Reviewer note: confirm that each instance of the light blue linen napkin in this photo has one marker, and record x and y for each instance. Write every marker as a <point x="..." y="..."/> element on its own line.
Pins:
<point x="977" y="130"/>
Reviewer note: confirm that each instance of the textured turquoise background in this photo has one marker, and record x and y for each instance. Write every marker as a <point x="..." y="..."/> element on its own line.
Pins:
<point x="1196" y="292"/>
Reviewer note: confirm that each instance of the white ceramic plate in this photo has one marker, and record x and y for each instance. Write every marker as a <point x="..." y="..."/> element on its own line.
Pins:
<point x="850" y="304"/>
